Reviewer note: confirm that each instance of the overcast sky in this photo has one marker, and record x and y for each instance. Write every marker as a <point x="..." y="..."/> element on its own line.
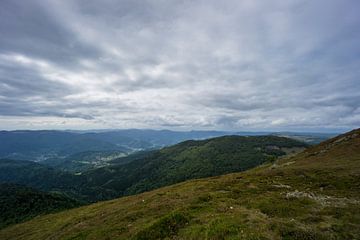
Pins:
<point x="224" y="65"/>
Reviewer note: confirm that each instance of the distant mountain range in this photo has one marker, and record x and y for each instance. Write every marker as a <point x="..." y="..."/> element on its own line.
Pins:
<point x="56" y="145"/>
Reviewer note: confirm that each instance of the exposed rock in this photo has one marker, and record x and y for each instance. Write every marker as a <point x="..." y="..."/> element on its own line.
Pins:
<point x="324" y="200"/>
<point x="281" y="186"/>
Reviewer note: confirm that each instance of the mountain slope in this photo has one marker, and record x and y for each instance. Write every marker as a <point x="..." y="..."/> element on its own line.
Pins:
<point x="189" y="160"/>
<point x="44" y="144"/>
<point x="149" y="170"/>
<point x="48" y="179"/>
<point x="309" y="138"/>
<point x="83" y="161"/>
<point x="313" y="195"/>
<point x="35" y="175"/>
<point x="19" y="203"/>
<point x="50" y="144"/>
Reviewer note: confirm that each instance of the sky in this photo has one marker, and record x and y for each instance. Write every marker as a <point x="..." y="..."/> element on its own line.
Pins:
<point x="162" y="64"/>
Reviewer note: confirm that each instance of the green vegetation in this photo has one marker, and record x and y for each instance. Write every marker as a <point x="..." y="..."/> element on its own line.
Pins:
<point x="312" y="195"/>
<point x="20" y="203"/>
<point x="144" y="171"/>
<point x="309" y="138"/>
<point x="59" y="145"/>
<point x="84" y="161"/>
<point x="48" y="179"/>
<point x="189" y="160"/>
<point x="166" y="226"/>
<point x="50" y="144"/>
<point x="37" y="176"/>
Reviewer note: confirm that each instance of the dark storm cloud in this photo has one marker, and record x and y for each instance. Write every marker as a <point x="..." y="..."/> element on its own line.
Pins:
<point x="180" y="64"/>
<point x="27" y="28"/>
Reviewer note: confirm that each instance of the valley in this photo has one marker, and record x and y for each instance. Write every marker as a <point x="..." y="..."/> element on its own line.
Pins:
<point x="143" y="171"/>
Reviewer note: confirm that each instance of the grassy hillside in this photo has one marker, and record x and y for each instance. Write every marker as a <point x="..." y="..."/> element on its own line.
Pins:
<point x="19" y="203"/>
<point x="189" y="160"/>
<point x="313" y="195"/>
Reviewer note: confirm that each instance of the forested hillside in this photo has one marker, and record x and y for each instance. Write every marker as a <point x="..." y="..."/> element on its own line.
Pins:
<point x="149" y="170"/>
<point x="191" y="159"/>
<point x="19" y="203"/>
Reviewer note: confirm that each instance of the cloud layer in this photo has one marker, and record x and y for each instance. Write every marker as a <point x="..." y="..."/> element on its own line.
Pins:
<point x="231" y="65"/>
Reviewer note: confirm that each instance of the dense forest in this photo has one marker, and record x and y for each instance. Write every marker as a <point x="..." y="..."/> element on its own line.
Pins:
<point x="143" y="171"/>
<point x="19" y="203"/>
<point x="189" y="160"/>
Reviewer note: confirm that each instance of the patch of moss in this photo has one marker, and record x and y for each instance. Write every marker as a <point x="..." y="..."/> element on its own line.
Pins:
<point x="293" y="233"/>
<point x="282" y="207"/>
<point x="166" y="226"/>
<point x="229" y="228"/>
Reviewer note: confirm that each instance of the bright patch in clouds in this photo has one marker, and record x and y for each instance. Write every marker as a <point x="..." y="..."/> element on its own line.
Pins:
<point x="229" y="65"/>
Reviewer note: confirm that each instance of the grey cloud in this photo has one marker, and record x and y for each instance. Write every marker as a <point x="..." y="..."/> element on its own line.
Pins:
<point x="27" y="27"/>
<point x="182" y="64"/>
